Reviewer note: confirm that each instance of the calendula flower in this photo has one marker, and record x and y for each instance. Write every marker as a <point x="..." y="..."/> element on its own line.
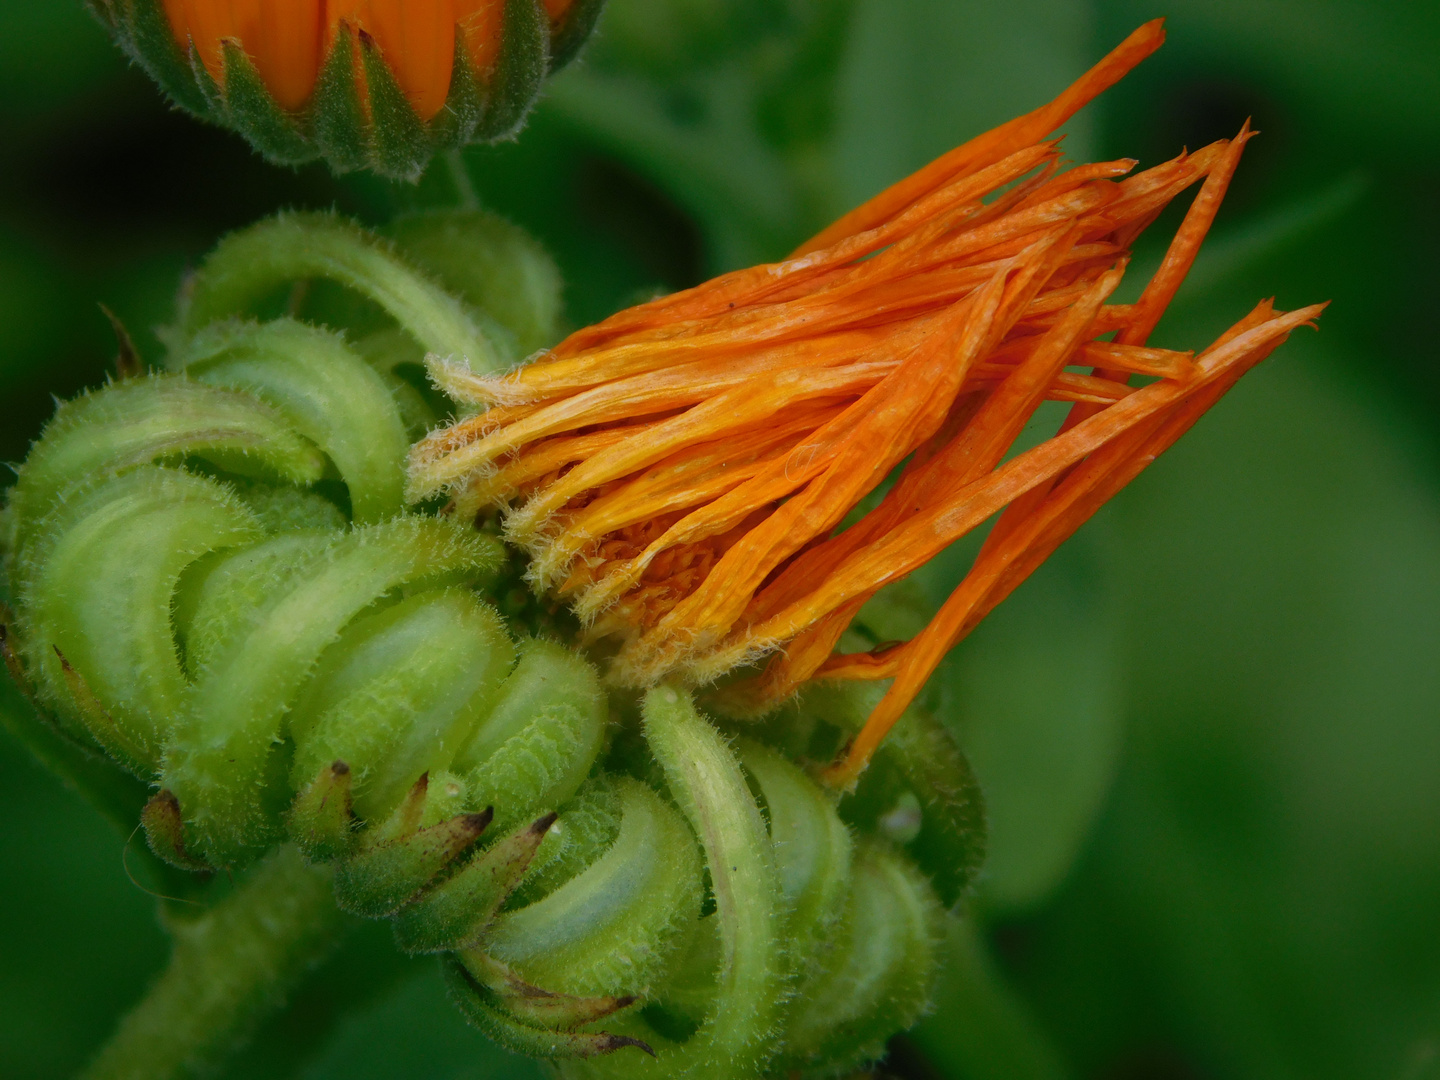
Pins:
<point x="680" y="472"/>
<point x="375" y="83"/>
<point x="306" y="686"/>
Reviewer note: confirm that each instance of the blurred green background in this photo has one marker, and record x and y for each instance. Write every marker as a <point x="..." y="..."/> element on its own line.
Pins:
<point x="1208" y="729"/>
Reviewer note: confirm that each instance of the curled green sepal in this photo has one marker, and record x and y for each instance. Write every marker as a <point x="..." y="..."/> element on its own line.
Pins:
<point x="536" y="746"/>
<point x="737" y="1037"/>
<point x="921" y="757"/>
<point x="537" y="1007"/>
<point x="145" y="420"/>
<point x="322" y="819"/>
<point x="876" y="978"/>
<point x="115" y="794"/>
<point x="813" y="849"/>
<point x="165" y="831"/>
<point x="326" y="392"/>
<point x="586" y="827"/>
<point x="919" y="790"/>
<point x="398" y="692"/>
<point x="262" y="618"/>
<point x="491" y="264"/>
<point x="813" y="853"/>
<point x="249" y="265"/>
<point x="96" y="587"/>
<point x="612" y="928"/>
<point x="484" y="1008"/>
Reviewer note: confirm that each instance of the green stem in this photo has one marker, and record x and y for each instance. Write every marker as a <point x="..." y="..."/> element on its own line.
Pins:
<point x="466" y="197"/>
<point x="228" y="969"/>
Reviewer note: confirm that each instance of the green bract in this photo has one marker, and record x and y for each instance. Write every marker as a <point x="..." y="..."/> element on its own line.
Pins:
<point x="218" y="588"/>
<point x="356" y="115"/>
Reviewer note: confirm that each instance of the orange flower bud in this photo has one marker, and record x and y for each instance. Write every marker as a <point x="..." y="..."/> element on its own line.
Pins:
<point x="381" y="84"/>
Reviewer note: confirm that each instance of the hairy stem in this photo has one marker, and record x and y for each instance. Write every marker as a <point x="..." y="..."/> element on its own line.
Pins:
<point x="465" y="195"/>
<point x="228" y="969"/>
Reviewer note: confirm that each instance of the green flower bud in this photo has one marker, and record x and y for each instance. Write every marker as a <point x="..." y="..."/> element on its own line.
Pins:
<point x="218" y="588"/>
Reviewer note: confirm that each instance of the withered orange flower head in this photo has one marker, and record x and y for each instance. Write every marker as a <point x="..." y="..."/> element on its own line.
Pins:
<point x="374" y="83"/>
<point x="680" y="472"/>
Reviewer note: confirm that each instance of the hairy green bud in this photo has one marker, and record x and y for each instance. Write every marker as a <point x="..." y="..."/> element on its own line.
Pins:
<point x="219" y="589"/>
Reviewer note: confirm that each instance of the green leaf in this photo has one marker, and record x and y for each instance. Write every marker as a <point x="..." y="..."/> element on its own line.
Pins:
<point x="1269" y="859"/>
<point x="981" y="1028"/>
<point x="922" y="77"/>
<point x="1032" y="698"/>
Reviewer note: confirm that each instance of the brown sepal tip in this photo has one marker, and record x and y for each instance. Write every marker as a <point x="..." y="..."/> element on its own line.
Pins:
<point x="127" y="359"/>
<point x="611" y="1043"/>
<point x="481" y="821"/>
<point x="165" y="830"/>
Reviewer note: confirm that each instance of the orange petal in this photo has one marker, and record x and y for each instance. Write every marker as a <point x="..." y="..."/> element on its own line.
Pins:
<point x="416" y="39"/>
<point x="281" y="37"/>
<point x="1180" y="256"/>
<point x="1002" y="566"/>
<point x="481" y="23"/>
<point x="995" y="144"/>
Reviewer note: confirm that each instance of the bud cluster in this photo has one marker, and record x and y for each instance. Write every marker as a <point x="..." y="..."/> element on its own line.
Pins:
<point x="218" y="587"/>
